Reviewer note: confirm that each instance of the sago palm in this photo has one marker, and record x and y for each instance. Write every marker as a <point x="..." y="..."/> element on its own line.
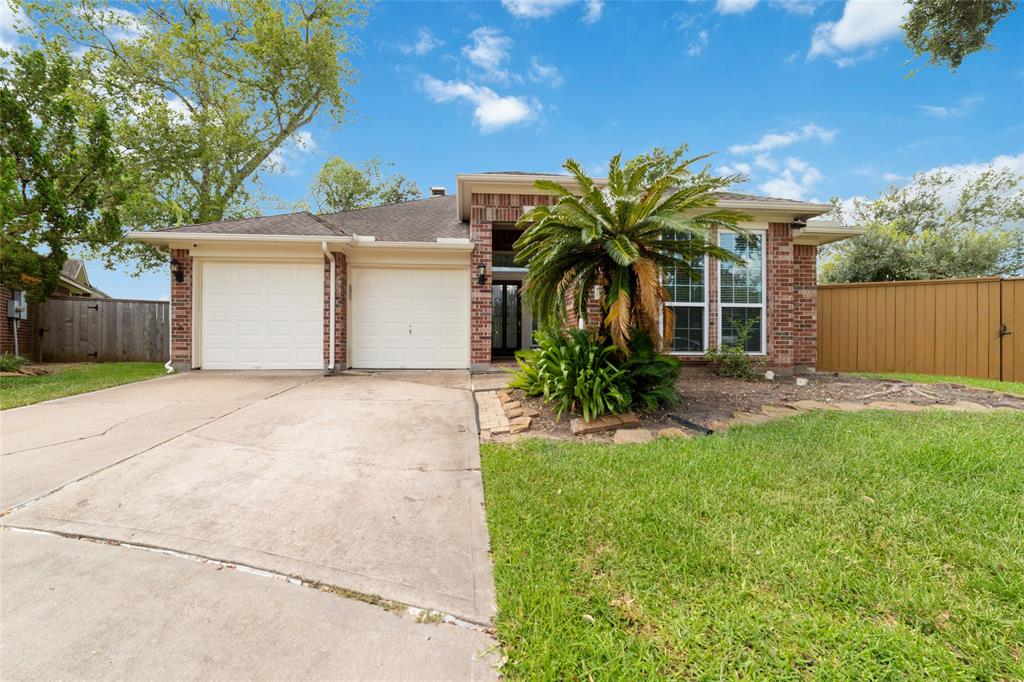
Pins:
<point x="619" y="237"/>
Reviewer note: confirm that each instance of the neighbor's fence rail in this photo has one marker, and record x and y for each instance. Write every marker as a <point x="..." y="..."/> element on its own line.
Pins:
<point x="964" y="327"/>
<point x="102" y="330"/>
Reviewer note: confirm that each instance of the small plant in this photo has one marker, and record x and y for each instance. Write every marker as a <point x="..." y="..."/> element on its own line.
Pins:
<point x="575" y="372"/>
<point x="731" y="359"/>
<point x="650" y="376"/>
<point x="10" y="362"/>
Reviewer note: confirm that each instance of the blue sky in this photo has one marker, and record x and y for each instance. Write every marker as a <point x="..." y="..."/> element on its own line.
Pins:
<point x="810" y="99"/>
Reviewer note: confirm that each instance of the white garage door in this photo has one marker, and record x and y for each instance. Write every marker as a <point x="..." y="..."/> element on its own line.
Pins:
<point x="262" y="315"/>
<point x="409" y="318"/>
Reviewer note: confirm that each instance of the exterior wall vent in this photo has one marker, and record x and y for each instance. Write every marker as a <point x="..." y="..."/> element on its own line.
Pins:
<point x="438" y="191"/>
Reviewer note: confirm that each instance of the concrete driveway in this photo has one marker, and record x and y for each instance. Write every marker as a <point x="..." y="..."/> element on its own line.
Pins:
<point x="249" y="524"/>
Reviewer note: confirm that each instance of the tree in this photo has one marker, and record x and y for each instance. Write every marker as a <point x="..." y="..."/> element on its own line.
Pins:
<point x="619" y="238"/>
<point x="56" y="159"/>
<point x="949" y="30"/>
<point x="940" y="225"/>
<point x="205" y="93"/>
<point x="340" y="186"/>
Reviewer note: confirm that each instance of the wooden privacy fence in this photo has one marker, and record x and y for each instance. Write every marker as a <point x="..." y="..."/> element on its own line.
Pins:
<point x="957" y="327"/>
<point x="102" y="330"/>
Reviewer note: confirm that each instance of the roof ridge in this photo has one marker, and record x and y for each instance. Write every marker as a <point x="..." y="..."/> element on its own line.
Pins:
<point x="393" y="203"/>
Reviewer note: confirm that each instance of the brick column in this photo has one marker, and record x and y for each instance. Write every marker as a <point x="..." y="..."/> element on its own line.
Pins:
<point x="791" y="299"/>
<point x="480" y="295"/>
<point x="340" y="311"/>
<point x="181" y="311"/>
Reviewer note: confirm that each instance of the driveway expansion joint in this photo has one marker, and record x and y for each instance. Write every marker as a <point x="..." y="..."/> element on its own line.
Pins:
<point x="422" y="614"/>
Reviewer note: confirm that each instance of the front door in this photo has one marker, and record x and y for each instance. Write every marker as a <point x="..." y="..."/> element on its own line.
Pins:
<point x="506" y="319"/>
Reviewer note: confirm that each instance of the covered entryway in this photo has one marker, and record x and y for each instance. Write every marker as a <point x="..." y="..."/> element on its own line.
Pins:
<point x="262" y="315"/>
<point x="409" y="318"/>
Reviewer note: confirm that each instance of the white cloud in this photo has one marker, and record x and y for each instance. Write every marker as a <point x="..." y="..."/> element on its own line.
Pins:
<point x="766" y="162"/>
<point x="492" y="112"/>
<point x="864" y="25"/>
<point x="698" y="44"/>
<point x="9" y="18"/>
<point x="545" y="73"/>
<point x="771" y="141"/>
<point x="284" y="159"/>
<point x="956" y="111"/>
<point x="797" y="179"/>
<point x="489" y="50"/>
<point x="425" y="42"/>
<point x="734" y="6"/>
<point x="797" y="6"/>
<point x="891" y="177"/>
<point x="735" y="168"/>
<point x="542" y="9"/>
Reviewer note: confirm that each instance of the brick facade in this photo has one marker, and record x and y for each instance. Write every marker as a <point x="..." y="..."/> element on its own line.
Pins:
<point x="340" y="311"/>
<point x="791" y="271"/>
<point x="26" y="328"/>
<point x="181" y="310"/>
<point x="487" y="209"/>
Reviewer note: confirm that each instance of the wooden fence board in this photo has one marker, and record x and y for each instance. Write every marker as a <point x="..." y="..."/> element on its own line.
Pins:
<point x="933" y="327"/>
<point x="103" y="330"/>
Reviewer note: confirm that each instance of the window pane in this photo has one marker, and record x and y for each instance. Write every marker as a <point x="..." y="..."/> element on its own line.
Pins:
<point x="496" y="292"/>
<point x="688" y="331"/>
<point x="683" y="288"/>
<point x="733" y="318"/>
<point x="743" y="282"/>
<point x="511" y="316"/>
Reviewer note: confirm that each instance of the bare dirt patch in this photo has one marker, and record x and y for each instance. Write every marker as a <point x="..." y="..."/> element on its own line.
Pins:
<point x="709" y="400"/>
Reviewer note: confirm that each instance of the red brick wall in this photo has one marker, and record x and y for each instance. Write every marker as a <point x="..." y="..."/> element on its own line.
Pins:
<point x="340" y="311"/>
<point x="791" y="299"/>
<point x="486" y="210"/>
<point x="181" y="311"/>
<point x="26" y="328"/>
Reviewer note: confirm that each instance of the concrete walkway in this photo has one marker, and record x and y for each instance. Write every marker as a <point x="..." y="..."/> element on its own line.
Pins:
<point x="364" y="486"/>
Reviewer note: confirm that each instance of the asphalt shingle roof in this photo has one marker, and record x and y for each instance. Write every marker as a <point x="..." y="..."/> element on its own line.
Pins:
<point x="302" y="223"/>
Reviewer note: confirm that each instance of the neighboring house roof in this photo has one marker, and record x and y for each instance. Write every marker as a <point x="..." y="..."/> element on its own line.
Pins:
<point x="74" y="277"/>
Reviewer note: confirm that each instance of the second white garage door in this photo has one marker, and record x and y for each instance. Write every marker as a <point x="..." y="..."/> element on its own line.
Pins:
<point x="262" y="315"/>
<point x="409" y="318"/>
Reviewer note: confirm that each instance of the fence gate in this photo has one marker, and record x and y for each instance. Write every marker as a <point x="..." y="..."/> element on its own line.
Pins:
<point x="102" y="330"/>
<point x="1011" y="333"/>
<point x="967" y="327"/>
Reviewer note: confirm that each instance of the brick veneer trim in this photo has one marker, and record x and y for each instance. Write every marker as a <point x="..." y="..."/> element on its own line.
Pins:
<point x="181" y="310"/>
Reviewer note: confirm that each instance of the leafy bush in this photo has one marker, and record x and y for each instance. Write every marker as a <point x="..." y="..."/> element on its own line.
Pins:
<point x="731" y="359"/>
<point x="575" y="372"/>
<point x="11" y="363"/>
<point x="650" y="376"/>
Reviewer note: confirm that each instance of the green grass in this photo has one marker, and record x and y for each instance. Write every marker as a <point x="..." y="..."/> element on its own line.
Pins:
<point x="25" y="390"/>
<point x="1005" y="386"/>
<point x="863" y="546"/>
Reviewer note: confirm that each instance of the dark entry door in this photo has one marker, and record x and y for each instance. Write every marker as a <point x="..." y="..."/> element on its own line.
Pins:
<point x="506" y="318"/>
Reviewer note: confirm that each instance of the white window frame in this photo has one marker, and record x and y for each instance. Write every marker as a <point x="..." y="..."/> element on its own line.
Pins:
<point x="703" y="304"/>
<point x="763" y="305"/>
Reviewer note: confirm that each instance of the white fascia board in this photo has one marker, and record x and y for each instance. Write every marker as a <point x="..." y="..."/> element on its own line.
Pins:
<point x="819" y="235"/>
<point x="461" y="245"/>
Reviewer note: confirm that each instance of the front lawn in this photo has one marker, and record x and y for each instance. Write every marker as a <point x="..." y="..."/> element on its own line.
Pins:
<point x="838" y="546"/>
<point x="65" y="381"/>
<point x="1004" y="386"/>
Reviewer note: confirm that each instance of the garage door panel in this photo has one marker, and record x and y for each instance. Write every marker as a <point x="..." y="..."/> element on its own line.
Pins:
<point x="262" y="315"/>
<point x="389" y="303"/>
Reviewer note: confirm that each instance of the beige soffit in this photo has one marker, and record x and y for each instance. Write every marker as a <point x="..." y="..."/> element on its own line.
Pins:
<point x="820" y="232"/>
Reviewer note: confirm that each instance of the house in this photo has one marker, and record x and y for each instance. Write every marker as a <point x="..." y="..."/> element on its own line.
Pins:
<point x="74" y="281"/>
<point x="432" y="284"/>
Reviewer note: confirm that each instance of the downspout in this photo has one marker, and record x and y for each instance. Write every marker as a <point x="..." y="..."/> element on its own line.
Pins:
<point x="170" y="341"/>
<point x="330" y="334"/>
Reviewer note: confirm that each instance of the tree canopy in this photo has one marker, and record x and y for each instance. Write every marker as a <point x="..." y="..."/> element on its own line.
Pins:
<point x="949" y="30"/>
<point x="58" y="165"/>
<point x="938" y="226"/>
<point x="340" y="186"/>
<point x="206" y="94"/>
<point x="618" y="238"/>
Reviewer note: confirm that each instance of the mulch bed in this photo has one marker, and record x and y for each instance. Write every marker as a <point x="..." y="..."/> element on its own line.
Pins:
<point x="707" y="398"/>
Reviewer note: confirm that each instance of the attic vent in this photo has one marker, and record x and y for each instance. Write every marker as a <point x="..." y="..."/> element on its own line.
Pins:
<point x="438" y="191"/>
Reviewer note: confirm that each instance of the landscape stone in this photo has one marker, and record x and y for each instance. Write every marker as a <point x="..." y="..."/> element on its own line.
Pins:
<point x="898" y="407"/>
<point x="518" y="424"/>
<point x="674" y="432"/>
<point x="780" y="411"/>
<point x="632" y="436"/>
<point x="605" y="423"/>
<point x="749" y="419"/>
<point x="811" y="405"/>
<point x="965" y="406"/>
<point x="847" y="406"/>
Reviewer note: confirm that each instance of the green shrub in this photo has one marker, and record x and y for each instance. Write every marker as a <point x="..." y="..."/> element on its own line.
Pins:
<point x="650" y="375"/>
<point x="731" y="359"/>
<point x="574" y="372"/>
<point x="11" y="363"/>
